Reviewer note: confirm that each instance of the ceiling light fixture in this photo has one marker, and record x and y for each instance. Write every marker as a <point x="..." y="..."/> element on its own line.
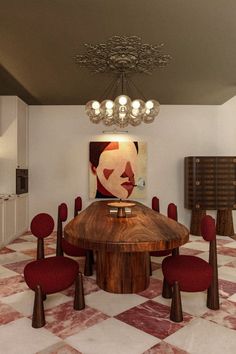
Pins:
<point x="123" y="56"/>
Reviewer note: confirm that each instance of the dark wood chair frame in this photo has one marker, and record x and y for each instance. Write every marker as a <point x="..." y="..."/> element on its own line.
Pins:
<point x="38" y="318"/>
<point x="176" y="314"/>
<point x="88" y="266"/>
<point x="175" y="251"/>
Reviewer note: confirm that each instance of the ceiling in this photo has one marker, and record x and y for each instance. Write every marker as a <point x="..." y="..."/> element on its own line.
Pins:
<point x="38" y="40"/>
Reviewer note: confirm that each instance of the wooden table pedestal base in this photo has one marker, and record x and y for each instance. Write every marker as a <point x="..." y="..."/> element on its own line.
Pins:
<point x="224" y="222"/>
<point x="122" y="272"/>
<point x="196" y="218"/>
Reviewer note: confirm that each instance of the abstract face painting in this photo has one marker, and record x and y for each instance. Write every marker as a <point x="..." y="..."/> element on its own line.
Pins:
<point x="117" y="169"/>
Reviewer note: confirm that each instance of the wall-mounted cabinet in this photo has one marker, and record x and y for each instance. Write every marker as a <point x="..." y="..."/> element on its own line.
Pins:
<point x="210" y="184"/>
<point x="13" y="141"/>
<point x="13" y="218"/>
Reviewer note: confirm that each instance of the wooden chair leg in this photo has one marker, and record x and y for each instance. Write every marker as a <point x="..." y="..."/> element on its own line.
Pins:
<point x="88" y="267"/>
<point x="175" y="251"/>
<point x="79" y="303"/>
<point x="92" y="257"/>
<point x="213" y="301"/>
<point x="59" y="250"/>
<point x="38" y="319"/>
<point x="166" y="290"/>
<point x="150" y="266"/>
<point x="176" y="313"/>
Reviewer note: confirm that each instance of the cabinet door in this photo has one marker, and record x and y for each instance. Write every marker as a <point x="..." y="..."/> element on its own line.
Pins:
<point x="21" y="214"/>
<point x="1" y="223"/>
<point x="205" y="183"/>
<point x="9" y="220"/>
<point x="22" y="134"/>
<point x="226" y="182"/>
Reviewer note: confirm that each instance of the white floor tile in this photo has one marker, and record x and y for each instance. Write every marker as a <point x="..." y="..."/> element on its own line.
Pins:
<point x="157" y="259"/>
<point x="231" y="244"/>
<point x="13" y="257"/>
<point x="201" y="246"/>
<point x="23" y="302"/>
<point x="5" y="273"/>
<point x="18" y="337"/>
<point x="204" y="337"/>
<point x="221" y="258"/>
<point x="232" y="298"/>
<point x="22" y="246"/>
<point x="112" y="337"/>
<point x="192" y="303"/>
<point x="227" y="273"/>
<point x="113" y="304"/>
<point x="157" y="274"/>
<point x="226" y="238"/>
<point x="195" y="238"/>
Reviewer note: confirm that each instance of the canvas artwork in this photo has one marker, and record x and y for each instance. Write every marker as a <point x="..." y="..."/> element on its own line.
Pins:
<point x="117" y="169"/>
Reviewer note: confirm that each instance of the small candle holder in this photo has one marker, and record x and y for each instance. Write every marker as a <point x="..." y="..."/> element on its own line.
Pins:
<point x="121" y="213"/>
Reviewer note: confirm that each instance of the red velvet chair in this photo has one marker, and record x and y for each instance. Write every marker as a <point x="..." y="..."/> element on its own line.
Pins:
<point x="64" y="246"/>
<point x="192" y="274"/>
<point x="171" y="213"/>
<point x="50" y="275"/>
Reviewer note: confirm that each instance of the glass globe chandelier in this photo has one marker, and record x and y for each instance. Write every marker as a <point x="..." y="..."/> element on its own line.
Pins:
<point x="123" y="56"/>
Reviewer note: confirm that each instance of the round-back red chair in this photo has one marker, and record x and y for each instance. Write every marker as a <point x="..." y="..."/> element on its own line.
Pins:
<point x="192" y="274"/>
<point x="171" y="213"/>
<point x="63" y="246"/>
<point x="156" y="204"/>
<point x="77" y="206"/>
<point x="50" y="275"/>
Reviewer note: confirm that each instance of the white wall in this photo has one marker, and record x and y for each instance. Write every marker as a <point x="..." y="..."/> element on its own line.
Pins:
<point x="59" y="139"/>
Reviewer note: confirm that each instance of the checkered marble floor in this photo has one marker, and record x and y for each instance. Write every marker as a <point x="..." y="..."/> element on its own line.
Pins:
<point x="114" y="323"/>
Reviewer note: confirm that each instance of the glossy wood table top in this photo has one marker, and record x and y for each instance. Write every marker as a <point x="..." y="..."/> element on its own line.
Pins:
<point x="144" y="230"/>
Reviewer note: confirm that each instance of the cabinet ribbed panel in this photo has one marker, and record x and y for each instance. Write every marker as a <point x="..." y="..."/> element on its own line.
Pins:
<point x="210" y="182"/>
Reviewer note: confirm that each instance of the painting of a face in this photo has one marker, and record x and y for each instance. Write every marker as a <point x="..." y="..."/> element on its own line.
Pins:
<point x="115" y="165"/>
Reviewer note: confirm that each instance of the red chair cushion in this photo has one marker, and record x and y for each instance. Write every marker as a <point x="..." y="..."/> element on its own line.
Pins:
<point x="208" y="229"/>
<point x="172" y="211"/>
<point x="72" y="250"/>
<point x="192" y="273"/>
<point x="42" y="225"/>
<point x="160" y="253"/>
<point x="63" y="211"/>
<point x="155" y="204"/>
<point x="78" y="204"/>
<point x="53" y="274"/>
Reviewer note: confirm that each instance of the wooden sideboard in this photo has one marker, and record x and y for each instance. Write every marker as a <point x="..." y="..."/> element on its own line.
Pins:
<point x="210" y="184"/>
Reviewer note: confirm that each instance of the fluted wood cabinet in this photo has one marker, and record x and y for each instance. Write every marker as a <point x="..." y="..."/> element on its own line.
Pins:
<point x="210" y="184"/>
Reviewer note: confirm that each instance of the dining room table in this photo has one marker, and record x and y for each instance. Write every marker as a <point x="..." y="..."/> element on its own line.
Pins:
<point x="122" y="244"/>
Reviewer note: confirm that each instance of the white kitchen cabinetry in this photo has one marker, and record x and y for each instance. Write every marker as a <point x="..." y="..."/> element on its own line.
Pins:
<point x="13" y="141"/>
<point x="22" y="134"/>
<point x="13" y="218"/>
<point x="21" y="214"/>
<point x="9" y="219"/>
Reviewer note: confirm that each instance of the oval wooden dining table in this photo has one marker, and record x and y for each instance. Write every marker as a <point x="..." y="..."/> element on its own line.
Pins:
<point x="122" y="245"/>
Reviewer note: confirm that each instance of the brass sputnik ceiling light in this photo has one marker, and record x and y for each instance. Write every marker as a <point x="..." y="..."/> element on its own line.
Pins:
<point x="122" y="56"/>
